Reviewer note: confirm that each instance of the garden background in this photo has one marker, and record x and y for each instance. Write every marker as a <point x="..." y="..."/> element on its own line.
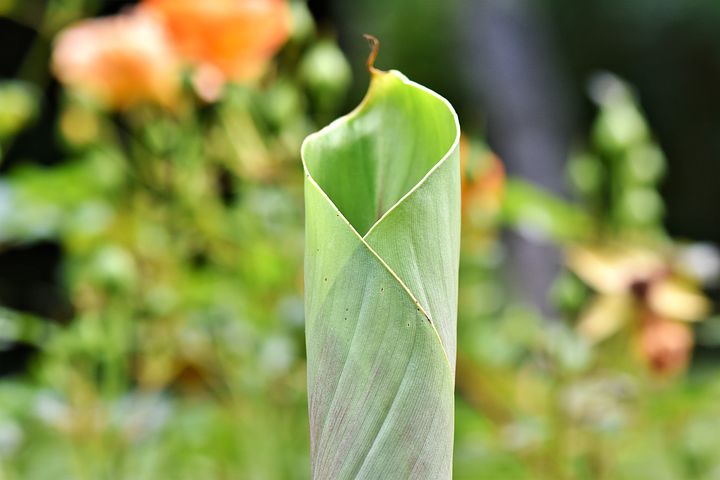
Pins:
<point x="151" y="230"/>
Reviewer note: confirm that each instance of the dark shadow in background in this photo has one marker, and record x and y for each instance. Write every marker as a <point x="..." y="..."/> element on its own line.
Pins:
<point x="513" y="77"/>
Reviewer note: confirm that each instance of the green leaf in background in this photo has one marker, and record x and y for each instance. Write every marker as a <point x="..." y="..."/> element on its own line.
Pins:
<point x="20" y="104"/>
<point x="382" y="193"/>
<point x="541" y="214"/>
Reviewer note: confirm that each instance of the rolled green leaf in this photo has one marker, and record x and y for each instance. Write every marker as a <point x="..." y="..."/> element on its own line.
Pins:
<point x="382" y="206"/>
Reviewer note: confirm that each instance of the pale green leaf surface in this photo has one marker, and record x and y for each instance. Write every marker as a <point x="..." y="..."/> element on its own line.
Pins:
<point x="382" y="198"/>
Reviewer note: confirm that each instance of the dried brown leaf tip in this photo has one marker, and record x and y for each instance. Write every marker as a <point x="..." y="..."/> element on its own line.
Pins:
<point x="374" y="48"/>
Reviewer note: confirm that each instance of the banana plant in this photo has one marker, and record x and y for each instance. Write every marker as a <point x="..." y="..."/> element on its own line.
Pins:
<point x="382" y="206"/>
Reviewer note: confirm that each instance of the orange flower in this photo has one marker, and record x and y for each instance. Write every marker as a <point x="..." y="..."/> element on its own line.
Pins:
<point x="483" y="177"/>
<point x="227" y="39"/>
<point x="121" y="60"/>
<point x="645" y="286"/>
<point x="665" y="345"/>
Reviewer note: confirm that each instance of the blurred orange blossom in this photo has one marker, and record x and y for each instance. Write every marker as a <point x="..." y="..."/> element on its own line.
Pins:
<point x="121" y="60"/>
<point x="645" y="286"/>
<point x="482" y="177"/>
<point x="665" y="345"/>
<point x="228" y="40"/>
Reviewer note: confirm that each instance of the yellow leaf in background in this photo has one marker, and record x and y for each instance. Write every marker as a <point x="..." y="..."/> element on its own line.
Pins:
<point x="614" y="270"/>
<point x="79" y="125"/>
<point x="678" y="300"/>
<point x="605" y="315"/>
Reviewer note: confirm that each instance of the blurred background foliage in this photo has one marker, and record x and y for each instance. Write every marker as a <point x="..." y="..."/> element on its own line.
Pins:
<point x="151" y="314"/>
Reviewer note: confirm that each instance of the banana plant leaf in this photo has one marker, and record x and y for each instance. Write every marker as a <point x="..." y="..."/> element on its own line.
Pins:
<point x="382" y="205"/>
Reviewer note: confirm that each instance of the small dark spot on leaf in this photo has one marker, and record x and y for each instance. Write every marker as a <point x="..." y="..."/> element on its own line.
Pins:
<point x="326" y="279"/>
